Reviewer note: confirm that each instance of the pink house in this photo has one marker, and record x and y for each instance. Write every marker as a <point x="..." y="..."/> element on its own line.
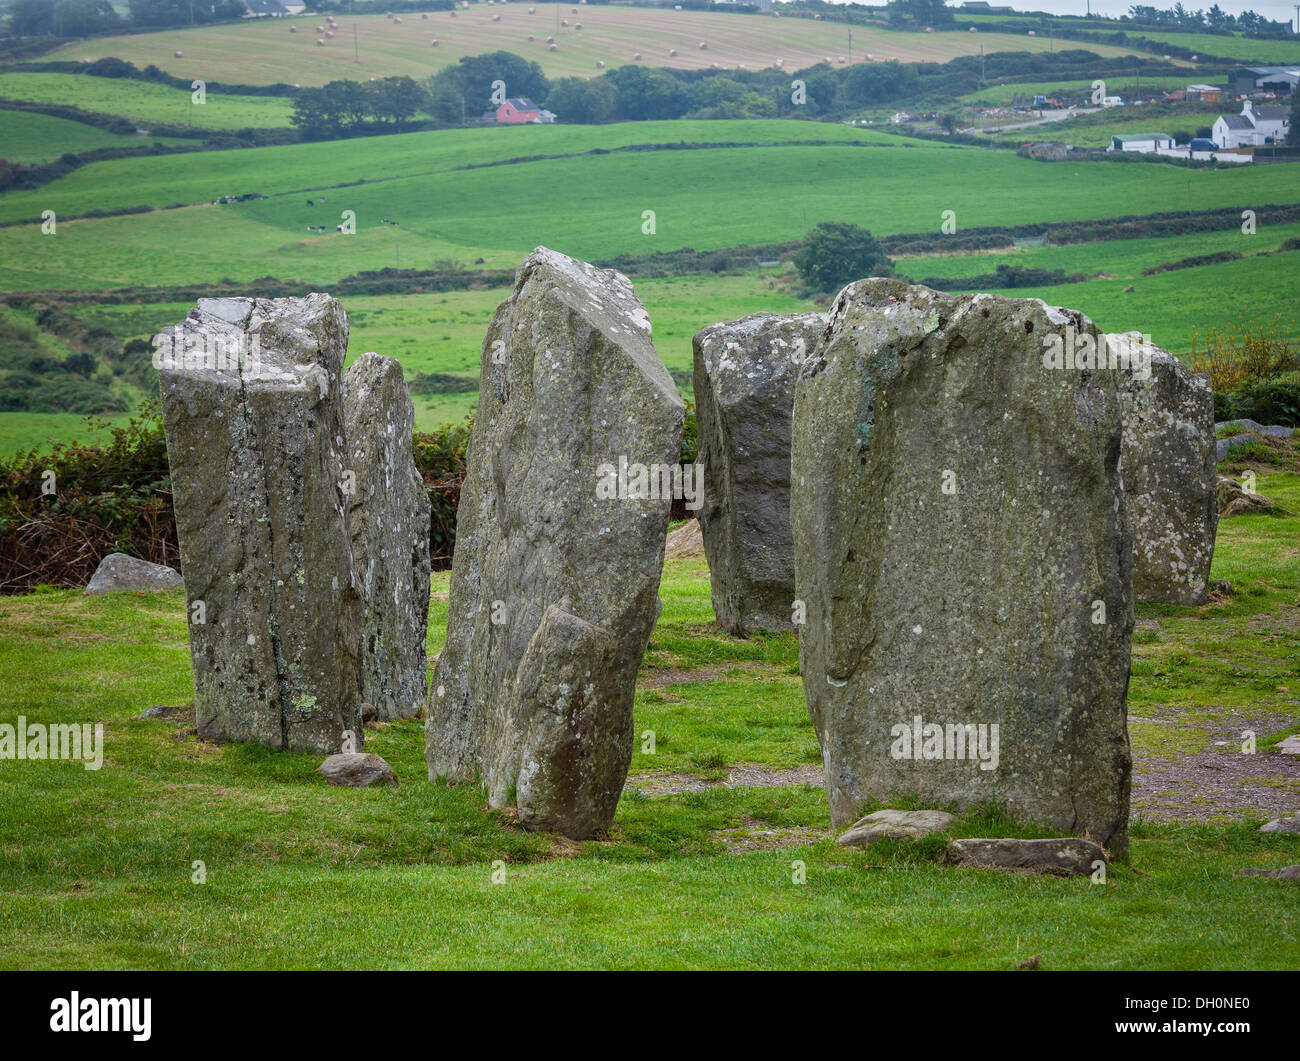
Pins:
<point x="518" y="110"/>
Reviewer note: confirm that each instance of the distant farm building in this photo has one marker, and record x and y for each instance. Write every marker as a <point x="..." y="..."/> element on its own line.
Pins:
<point x="1253" y="80"/>
<point x="1255" y="126"/>
<point x="1147" y="143"/>
<point x="519" y="110"/>
<point x="272" y="8"/>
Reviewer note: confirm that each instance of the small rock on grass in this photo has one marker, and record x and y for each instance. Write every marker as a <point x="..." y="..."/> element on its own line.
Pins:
<point x="1290" y="746"/>
<point x="357" y="770"/>
<point x="1064" y="857"/>
<point x="1285" y="873"/>
<point x="119" y="573"/>
<point x="895" y="825"/>
<point x="1282" y="825"/>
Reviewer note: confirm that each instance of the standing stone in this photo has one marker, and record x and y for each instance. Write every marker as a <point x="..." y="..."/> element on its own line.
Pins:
<point x="388" y="517"/>
<point x="1168" y="465"/>
<point x="962" y="549"/>
<point x="744" y="394"/>
<point x="251" y="400"/>
<point x="555" y="582"/>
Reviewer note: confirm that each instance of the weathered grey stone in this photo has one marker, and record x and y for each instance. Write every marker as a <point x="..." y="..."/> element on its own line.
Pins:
<point x="1233" y="499"/>
<point x="388" y="518"/>
<point x="1167" y="462"/>
<point x="251" y="401"/>
<point x="1289" y="746"/>
<point x="962" y="551"/>
<point x="1226" y="447"/>
<point x="686" y="541"/>
<point x="1282" y="825"/>
<point x="1285" y="873"/>
<point x="119" y="573"/>
<point x="1276" y="430"/>
<point x="357" y="770"/>
<point x="554" y="586"/>
<point x="744" y="393"/>
<point x="895" y="825"/>
<point x="1068" y="856"/>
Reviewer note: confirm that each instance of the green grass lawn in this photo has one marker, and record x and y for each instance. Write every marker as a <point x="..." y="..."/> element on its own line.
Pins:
<point x="96" y="866"/>
<point x="145" y="102"/>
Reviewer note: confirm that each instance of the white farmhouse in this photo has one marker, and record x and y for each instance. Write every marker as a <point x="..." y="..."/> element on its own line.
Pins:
<point x="1255" y="126"/>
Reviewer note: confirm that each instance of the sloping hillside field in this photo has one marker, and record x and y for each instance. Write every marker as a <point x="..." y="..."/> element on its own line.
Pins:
<point x="265" y="51"/>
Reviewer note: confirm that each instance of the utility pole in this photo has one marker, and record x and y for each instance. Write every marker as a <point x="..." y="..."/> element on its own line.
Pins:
<point x="981" y="65"/>
<point x="850" y="44"/>
<point x="356" y="48"/>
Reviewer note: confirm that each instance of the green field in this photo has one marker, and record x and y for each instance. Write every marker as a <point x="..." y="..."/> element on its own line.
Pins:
<point x="145" y="102"/>
<point x="97" y="864"/>
<point x="590" y="206"/>
<point x="35" y="138"/>
<point x="264" y="51"/>
<point x="1256" y="52"/>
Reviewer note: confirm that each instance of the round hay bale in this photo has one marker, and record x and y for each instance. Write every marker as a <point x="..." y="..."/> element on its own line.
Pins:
<point x="532" y="10"/>
<point x="555" y="47"/>
<point x="397" y="20"/>
<point x="433" y="43"/>
<point x="531" y="37"/>
<point x="600" y="64"/>
<point x="973" y="30"/>
<point x="564" y="22"/>
<point x="424" y="16"/>
<point x="329" y="33"/>
<point x="293" y="29"/>
<point x="577" y="25"/>
<point x="672" y="51"/>
<point x="636" y="57"/>
<point x="703" y="46"/>
<point x="320" y="43"/>
<point x="1032" y="33"/>
<point x="496" y="18"/>
<point x="179" y="55"/>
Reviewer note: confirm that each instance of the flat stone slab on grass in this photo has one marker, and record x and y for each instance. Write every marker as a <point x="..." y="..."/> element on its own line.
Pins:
<point x="119" y="573"/>
<point x="1282" y="825"/>
<point x="1290" y="746"/>
<point x="1285" y="873"/>
<point x="1067" y="856"/>
<point x="895" y="825"/>
<point x="1276" y="430"/>
<point x="357" y="770"/>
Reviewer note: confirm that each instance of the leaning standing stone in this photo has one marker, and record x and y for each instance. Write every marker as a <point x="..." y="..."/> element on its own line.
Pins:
<point x="1168" y="466"/>
<point x="744" y="394"/>
<point x="559" y="550"/>
<point x="961" y="547"/>
<point x="388" y="517"/>
<point x="251" y="400"/>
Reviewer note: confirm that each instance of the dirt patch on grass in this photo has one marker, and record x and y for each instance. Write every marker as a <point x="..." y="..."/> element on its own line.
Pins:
<point x="754" y="835"/>
<point x="1221" y="782"/>
<point x="673" y="784"/>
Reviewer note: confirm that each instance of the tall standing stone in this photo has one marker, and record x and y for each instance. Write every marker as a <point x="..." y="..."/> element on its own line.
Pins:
<point x="555" y="583"/>
<point x="388" y="517"/>
<point x="251" y="401"/>
<point x="744" y="395"/>
<point x="1168" y="466"/>
<point x="963" y="553"/>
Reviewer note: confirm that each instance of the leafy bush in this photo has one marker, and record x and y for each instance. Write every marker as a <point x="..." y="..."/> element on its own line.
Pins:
<point x="1244" y="354"/>
<point x="1272" y="402"/>
<point x="837" y="253"/>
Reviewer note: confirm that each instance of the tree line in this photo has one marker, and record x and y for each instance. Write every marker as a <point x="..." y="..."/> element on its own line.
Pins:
<point x="461" y="93"/>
